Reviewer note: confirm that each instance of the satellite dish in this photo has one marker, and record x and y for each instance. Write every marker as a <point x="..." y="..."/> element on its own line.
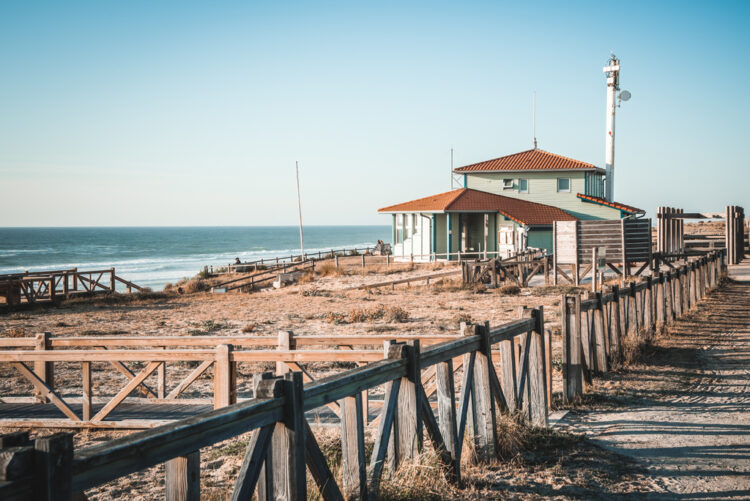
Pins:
<point x="625" y="95"/>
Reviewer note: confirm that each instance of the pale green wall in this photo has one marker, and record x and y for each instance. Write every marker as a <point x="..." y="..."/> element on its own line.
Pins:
<point x="440" y="225"/>
<point x="541" y="239"/>
<point x="543" y="189"/>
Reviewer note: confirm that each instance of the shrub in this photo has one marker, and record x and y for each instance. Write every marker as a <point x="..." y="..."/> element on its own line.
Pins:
<point x="509" y="290"/>
<point x="397" y="314"/>
<point x="354" y="252"/>
<point x="249" y="328"/>
<point x="326" y="269"/>
<point x="196" y="285"/>
<point x="168" y="287"/>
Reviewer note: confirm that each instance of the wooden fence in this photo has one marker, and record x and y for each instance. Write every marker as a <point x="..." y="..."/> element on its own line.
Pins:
<point x="278" y="261"/>
<point x="622" y="242"/>
<point x="673" y="244"/>
<point x="46" y="286"/>
<point x="35" y="359"/>
<point x="283" y="444"/>
<point x="519" y="269"/>
<point x="593" y="329"/>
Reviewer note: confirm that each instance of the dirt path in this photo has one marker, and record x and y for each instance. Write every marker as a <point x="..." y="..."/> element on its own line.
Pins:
<point x="684" y="412"/>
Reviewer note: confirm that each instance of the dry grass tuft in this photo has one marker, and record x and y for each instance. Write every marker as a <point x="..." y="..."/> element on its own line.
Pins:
<point x="196" y="285"/>
<point x="419" y="478"/>
<point x="508" y="290"/>
<point x="16" y="332"/>
<point x="461" y="317"/>
<point x="359" y="315"/>
<point x="328" y="269"/>
<point x="249" y="328"/>
<point x="548" y="290"/>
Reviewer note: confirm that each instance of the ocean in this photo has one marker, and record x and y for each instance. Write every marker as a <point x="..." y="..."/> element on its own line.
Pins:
<point x="153" y="256"/>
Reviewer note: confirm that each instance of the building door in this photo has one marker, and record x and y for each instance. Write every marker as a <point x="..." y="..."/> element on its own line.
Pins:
<point x="506" y="243"/>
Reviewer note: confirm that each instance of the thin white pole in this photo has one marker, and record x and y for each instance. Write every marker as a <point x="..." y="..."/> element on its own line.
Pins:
<point x="299" y="207"/>
<point x="613" y="85"/>
<point x="452" y="178"/>
<point x="533" y="118"/>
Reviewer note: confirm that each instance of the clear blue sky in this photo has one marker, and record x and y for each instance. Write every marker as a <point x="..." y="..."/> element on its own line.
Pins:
<point x="193" y="113"/>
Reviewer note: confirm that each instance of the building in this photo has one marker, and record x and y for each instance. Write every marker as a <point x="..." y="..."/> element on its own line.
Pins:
<point x="507" y="204"/>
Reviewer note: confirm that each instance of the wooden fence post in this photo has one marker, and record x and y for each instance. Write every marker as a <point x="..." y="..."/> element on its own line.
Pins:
<point x="660" y="298"/>
<point x="86" y="394"/>
<point x="183" y="478"/>
<point x="285" y="343"/>
<point x="482" y="405"/>
<point x="633" y="307"/>
<point x="112" y="280"/>
<point x="225" y="375"/>
<point x="571" y="335"/>
<point x="648" y="313"/>
<point x="353" y="463"/>
<point x="535" y="398"/>
<point x="53" y="463"/>
<point x="446" y="397"/>
<point x="600" y="339"/>
<point x="284" y="475"/>
<point x="615" y="326"/>
<point x="45" y="370"/>
<point x="269" y="390"/>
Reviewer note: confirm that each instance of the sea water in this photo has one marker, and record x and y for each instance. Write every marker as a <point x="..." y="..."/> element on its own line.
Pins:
<point x="152" y="256"/>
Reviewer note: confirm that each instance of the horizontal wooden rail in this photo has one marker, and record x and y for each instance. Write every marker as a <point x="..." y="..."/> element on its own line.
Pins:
<point x="213" y="341"/>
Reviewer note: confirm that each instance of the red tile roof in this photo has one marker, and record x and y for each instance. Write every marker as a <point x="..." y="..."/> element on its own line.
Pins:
<point x="530" y="160"/>
<point x="468" y="200"/>
<point x="602" y="201"/>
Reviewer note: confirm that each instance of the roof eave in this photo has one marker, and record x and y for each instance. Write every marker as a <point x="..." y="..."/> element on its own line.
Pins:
<point x="496" y="171"/>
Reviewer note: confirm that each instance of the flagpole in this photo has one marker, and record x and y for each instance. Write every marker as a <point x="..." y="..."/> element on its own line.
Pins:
<point x="299" y="207"/>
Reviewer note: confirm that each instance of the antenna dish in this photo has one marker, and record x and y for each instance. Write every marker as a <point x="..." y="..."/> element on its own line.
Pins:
<point x="625" y="96"/>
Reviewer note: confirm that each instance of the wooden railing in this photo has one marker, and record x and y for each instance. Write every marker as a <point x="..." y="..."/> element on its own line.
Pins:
<point x="519" y="269"/>
<point x="277" y="261"/>
<point x="35" y="361"/>
<point x="45" y="286"/>
<point x="283" y="438"/>
<point x="593" y="328"/>
<point x="262" y="277"/>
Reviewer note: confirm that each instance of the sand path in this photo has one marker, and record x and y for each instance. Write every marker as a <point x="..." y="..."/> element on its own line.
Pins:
<point x="689" y="426"/>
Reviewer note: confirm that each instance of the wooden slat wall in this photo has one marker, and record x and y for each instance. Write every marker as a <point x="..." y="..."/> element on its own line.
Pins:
<point x="638" y="239"/>
<point x="602" y="233"/>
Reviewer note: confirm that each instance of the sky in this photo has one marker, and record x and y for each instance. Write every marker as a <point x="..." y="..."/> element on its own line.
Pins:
<point x="147" y="113"/>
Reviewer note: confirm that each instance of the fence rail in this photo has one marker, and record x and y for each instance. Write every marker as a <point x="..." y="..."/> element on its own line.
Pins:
<point x="50" y="286"/>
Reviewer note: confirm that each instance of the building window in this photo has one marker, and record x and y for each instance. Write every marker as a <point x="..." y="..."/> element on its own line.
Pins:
<point x="563" y="184"/>
<point x="400" y="228"/>
<point x="523" y="185"/>
<point x="507" y="184"/>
